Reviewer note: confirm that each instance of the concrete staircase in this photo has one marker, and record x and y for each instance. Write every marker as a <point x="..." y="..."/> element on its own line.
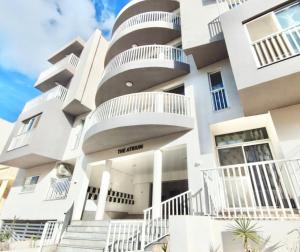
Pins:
<point x="84" y="236"/>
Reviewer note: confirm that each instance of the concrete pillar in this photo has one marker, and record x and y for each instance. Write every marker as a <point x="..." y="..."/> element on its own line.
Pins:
<point x="157" y="183"/>
<point x="104" y="187"/>
<point x="78" y="187"/>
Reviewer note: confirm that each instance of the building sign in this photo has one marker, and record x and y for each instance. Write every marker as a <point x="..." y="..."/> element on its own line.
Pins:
<point x="130" y="148"/>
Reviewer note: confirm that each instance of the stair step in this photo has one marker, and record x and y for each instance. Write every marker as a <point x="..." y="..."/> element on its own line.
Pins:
<point x="86" y="235"/>
<point x="67" y="248"/>
<point x="95" y="243"/>
<point x="84" y="229"/>
<point x="90" y="223"/>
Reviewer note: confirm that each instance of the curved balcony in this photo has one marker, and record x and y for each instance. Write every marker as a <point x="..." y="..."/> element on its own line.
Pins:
<point x="156" y="27"/>
<point x="142" y="67"/>
<point x="136" y="117"/>
<point x="136" y="7"/>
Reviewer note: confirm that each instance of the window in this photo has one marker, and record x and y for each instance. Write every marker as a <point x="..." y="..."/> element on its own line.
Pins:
<point x="217" y="89"/>
<point x="29" y="124"/>
<point x="244" y="147"/>
<point x="176" y="90"/>
<point x="30" y="184"/>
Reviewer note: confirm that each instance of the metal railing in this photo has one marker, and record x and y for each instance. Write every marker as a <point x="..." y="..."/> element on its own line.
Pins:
<point x="225" y="5"/>
<point x="59" y="189"/>
<point x="219" y="99"/>
<point x="71" y="60"/>
<point x="23" y="231"/>
<point x="124" y="236"/>
<point x="135" y="235"/>
<point x="147" y="102"/>
<point x="156" y="225"/>
<point x="58" y="92"/>
<point x="278" y="46"/>
<point x="20" y="141"/>
<point x="153" y="16"/>
<point x="148" y="52"/>
<point x="264" y="190"/>
<point x="51" y="234"/>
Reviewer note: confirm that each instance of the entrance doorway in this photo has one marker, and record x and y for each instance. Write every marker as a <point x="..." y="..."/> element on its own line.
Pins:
<point x="170" y="189"/>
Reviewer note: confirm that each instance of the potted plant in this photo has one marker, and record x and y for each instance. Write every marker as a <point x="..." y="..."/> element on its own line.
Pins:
<point x="245" y="230"/>
<point x="4" y="238"/>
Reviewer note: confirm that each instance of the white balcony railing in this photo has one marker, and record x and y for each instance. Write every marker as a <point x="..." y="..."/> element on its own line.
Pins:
<point x="225" y="5"/>
<point x="51" y="234"/>
<point x="124" y="236"/>
<point x="148" y="53"/>
<point x="154" y="16"/>
<point x="264" y="190"/>
<point x="58" y="92"/>
<point x="148" y="102"/>
<point x="277" y="46"/>
<point x="59" y="189"/>
<point x="71" y="60"/>
<point x="19" y="141"/>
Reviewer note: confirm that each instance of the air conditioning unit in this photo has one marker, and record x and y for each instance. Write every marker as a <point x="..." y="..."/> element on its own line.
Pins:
<point x="63" y="170"/>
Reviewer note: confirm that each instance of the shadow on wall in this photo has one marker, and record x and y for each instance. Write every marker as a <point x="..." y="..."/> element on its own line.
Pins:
<point x="208" y="2"/>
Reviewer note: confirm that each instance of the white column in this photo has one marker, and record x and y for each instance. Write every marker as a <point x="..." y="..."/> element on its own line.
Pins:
<point x="157" y="181"/>
<point x="104" y="187"/>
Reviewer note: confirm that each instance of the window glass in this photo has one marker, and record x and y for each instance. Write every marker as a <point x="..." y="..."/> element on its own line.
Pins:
<point x="217" y="89"/>
<point x="241" y="137"/>
<point x="177" y="90"/>
<point x="289" y="16"/>
<point x="231" y="156"/>
<point x="30" y="184"/>
<point x="216" y="81"/>
<point x="29" y="124"/>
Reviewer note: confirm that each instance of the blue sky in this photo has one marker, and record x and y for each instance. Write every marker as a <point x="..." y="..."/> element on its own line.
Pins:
<point x="32" y="30"/>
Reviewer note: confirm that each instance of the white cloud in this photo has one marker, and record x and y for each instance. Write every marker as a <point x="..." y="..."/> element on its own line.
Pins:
<point x="31" y="30"/>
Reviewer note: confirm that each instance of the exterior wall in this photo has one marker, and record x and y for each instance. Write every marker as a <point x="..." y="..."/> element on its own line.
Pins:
<point x="202" y="32"/>
<point x="32" y="205"/>
<point x="287" y="125"/>
<point x="83" y="85"/>
<point x="53" y="128"/>
<point x="6" y="128"/>
<point x="266" y="84"/>
<point x="193" y="233"/>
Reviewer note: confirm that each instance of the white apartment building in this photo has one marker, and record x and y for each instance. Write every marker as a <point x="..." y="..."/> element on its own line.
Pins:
<point x="187" y="119"/>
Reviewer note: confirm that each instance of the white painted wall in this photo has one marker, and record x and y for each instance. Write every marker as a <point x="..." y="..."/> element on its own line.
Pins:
<point x="33" y="206"/>
<point x="5" y="130"/>
<point x="194" y="234"/>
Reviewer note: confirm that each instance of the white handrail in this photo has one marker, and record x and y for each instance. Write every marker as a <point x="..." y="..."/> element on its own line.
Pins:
<point x="146" y="102"/>
<point x="71" y="59"/>
<point x="277" y="46"/>
<point x="157" y="227"/>
<point x="51" y="234"/>
<point x="59" y="189"/>
<point x="147" y="52"/>
<point x="153" y="16"/>
<point x="263" y="190"/>
<point x="124" y="235"/>
<point x="58" y="92"/>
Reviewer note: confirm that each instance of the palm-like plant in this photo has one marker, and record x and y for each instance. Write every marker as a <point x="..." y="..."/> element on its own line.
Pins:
<point x="245" y="230"/>
<point x="164" y="247"/>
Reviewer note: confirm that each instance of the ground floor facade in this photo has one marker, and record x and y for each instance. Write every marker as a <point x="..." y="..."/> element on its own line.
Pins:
<point x="249" y="167"/>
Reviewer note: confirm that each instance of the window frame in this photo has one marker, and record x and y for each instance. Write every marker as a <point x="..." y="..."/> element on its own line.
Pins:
<point x="242" y="145"/>
<point x="30" y="188"/>
<point x="211" y="91"/>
